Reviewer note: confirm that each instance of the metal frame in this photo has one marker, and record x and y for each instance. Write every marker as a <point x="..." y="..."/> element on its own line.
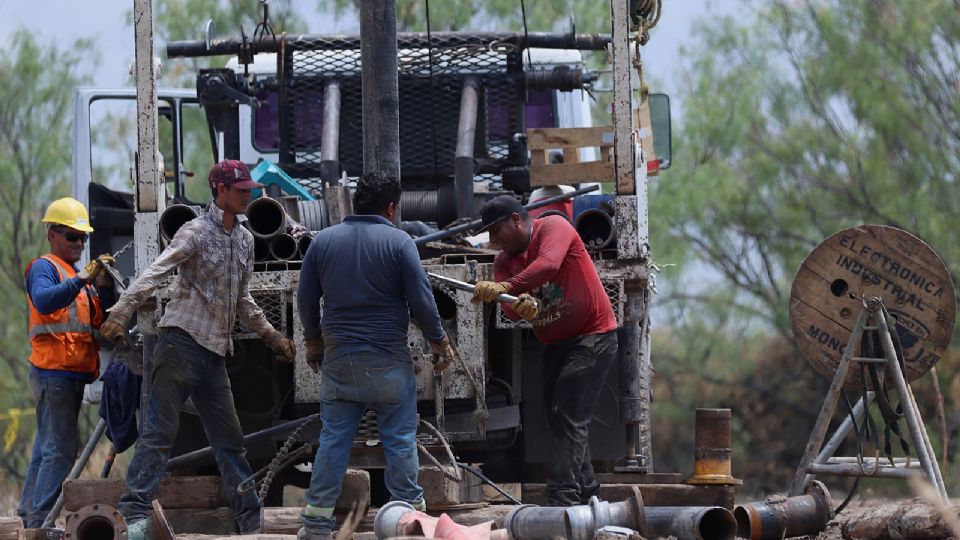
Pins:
<point x="816" y="461"/>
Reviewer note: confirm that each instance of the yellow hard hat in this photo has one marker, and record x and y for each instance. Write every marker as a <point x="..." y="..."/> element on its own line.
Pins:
<point x="70" y="212"/>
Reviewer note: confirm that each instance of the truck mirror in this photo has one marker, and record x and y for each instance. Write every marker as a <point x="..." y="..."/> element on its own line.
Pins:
<point x="660" y="124"/>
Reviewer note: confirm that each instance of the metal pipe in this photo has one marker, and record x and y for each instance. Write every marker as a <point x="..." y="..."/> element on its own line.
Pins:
<point x="261" y="249"/>
<point x="452" y="231"/>
<point x="596" y="229"/>
<point x="379" y="81"/>
<point x="279" y="430"/>
<point x="540" y="40"/>
<point x="910" y="463"/>
<point x="266" y="217"/>
<point x="852" y="469"/>
<point x="303" y="244"/>
<point x="174" y="217"/>
<point x="712" y="448"/>
<point x="469" y="287"/>
<point x="330" y="138"/>
<point x="95" y="522"/>
<point x="803" y="515"/>
<point x="76" y="470"/>
<point x="464" y="164"/>
<point x="689" y="523"/>
<point x="529" y="522"/>
<point x="283" y="247"/>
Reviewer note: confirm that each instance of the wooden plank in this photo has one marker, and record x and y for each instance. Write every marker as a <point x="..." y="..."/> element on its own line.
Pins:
<point x="288" y="519"/>
<point x="543" y="138"/>
<point x="174" y="492"/>
<point x="201" y="520"/>
<point x="571" y="154"/>
<point x="645" y="131"/>
<point x="10" y="528"/>
<point x="653" y="494"/>
<point x="538" y="156"/>
<point x="570" y="173"/>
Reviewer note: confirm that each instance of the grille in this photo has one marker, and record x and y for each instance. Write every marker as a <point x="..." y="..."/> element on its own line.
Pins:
<point x="429" y="106"/>
<point x="612" y="286"/>
<point x="274" y="308"/>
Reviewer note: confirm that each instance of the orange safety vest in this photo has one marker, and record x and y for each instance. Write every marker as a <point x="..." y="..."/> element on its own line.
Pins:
<point x="67" y="338"/>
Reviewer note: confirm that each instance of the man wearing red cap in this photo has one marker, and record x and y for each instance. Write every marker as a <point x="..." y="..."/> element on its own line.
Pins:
<point x="213" y="256"/>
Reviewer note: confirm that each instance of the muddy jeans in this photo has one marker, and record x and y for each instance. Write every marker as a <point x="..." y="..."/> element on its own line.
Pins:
<point x="181" y="368"/>
<point x="351" y="383"/>
<point x="574" y="372"/>
<point x="55" y="446"/>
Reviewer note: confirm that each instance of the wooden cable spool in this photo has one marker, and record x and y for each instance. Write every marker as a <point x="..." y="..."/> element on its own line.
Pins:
<point x="865" y="261"/>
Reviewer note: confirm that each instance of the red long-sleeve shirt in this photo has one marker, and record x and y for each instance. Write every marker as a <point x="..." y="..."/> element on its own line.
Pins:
<point x="557" y="269"/>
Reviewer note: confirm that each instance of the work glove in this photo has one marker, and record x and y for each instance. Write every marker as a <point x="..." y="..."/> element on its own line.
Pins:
<point x="95" y="267"/>
<point x="488" y="291"/>
<point x="114" y="329"/>
<point x="526" y="306"/>
<point x="442" y="354"/>
<point x="315" y="350"/>
<point x="280" y="344"/>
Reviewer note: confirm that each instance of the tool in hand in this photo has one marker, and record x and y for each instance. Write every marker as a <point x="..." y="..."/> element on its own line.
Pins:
<point x="469" y="287"/>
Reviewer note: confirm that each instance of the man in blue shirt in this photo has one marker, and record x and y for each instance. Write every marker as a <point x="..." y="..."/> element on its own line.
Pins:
<point x="369" y="275"/>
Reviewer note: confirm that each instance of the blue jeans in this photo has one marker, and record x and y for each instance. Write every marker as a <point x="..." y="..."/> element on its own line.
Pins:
<point x="54" y="447"/>
<point x="351" y="383"/>
<point x="181" y="368"/>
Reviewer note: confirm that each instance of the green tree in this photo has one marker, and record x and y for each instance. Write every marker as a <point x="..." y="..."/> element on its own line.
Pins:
<point x="799" y="120"/>
<point x="36" y="81"/>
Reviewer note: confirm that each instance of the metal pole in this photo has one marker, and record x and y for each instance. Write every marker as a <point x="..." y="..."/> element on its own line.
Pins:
<point x="76" y="470"/>
<point x="279" y="430"/>
<point x="839" y="435"/>
<point x="378" y="77"/>
<point x="330" y="141"/>
<point x="829" y="406"/>
<point x="148" y="186"/>
<point x="466" y="139"/>
<point x="928" y="460"/>
<point x="452" y="231"/>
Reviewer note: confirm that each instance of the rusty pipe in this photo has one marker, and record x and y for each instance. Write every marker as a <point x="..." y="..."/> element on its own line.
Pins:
<point x="95" y="522"/>
<point x="773" y="519"/>
<point x="330" y="139"/>
<point x="283" y="247"/>
<point x="174" y="217"/>
<point x="266" y="217"/>
<point x="712" y="448"/>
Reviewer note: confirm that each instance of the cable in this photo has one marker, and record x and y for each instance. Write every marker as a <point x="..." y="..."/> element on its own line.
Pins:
<point x="446" y="446"/>
<point x="526" y="35"/>
<point x="476" y="472"/>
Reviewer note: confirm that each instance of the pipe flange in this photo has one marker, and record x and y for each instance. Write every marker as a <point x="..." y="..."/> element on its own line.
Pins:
<point x="161" y="526"/>
<point x="639" y="512"/>
<point x="819" y="491"/>
<point x="95" y="522"/>
<point x="386" y="523"/>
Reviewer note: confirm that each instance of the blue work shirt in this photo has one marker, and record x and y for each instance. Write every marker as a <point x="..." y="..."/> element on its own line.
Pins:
<point x="49" y="294"/>
<point x="369" y="275"/>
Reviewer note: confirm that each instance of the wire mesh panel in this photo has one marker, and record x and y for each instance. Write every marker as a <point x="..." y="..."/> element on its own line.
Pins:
<point x="613" y="286"/>
<point x="273" y="304"/>
<point x="429" y="103"/>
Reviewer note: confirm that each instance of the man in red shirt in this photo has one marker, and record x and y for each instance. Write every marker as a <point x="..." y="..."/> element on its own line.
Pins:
<point x="574" y="319"/>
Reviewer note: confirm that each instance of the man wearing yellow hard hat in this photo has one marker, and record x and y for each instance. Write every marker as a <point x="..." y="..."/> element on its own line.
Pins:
<point x="65" y="316"/>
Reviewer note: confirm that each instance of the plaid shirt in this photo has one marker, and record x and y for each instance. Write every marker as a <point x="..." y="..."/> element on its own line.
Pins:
<point x="211" y="288"/>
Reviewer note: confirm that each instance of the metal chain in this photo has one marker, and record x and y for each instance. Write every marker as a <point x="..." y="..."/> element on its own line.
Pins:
<point x="278" y="462"/>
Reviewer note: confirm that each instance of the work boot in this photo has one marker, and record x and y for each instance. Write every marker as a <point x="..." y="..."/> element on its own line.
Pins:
<point x="140" y="530"/>
<point x="306" y="533"/>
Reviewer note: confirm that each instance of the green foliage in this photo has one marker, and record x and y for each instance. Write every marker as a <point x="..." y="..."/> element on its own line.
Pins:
<point x="36" y="81"/>
<point x="804" y="119"/>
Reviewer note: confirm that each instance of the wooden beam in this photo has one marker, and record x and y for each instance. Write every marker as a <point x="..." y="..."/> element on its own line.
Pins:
<point x="542" y="138"/>
<point x="10" y="528"/>
<point x="570" y="173"/>
<point x="175" y="492"/>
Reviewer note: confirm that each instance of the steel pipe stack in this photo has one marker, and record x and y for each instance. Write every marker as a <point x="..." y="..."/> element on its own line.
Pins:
<point x="276" y="235"/>
<point x="174" y="217"/>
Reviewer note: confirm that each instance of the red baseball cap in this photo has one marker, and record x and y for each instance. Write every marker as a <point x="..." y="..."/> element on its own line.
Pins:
<point x="232" y="173"/>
